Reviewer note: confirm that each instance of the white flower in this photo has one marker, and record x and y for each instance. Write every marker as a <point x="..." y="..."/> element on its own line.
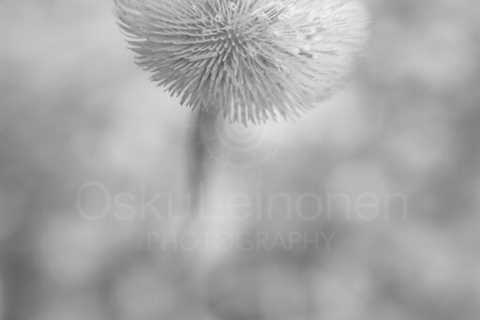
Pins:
<point x="249" y="60"/>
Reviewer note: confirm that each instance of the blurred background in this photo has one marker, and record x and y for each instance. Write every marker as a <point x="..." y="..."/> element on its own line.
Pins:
<point x="365" y="208"/>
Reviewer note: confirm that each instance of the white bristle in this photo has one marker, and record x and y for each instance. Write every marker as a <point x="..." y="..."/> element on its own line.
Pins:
<point x="250" y="60"/>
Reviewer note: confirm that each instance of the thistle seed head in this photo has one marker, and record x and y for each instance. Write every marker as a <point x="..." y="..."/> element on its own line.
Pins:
<point x="250" y="60"/>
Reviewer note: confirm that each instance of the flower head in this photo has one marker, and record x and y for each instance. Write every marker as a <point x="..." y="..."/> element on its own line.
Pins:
<point x="249" y="60"/>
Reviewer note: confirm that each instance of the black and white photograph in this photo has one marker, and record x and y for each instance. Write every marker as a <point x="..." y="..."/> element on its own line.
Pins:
<point x="239" y="160"/>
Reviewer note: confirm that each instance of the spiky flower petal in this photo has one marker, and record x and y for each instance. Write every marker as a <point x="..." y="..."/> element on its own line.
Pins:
<point x="250" y="60"/>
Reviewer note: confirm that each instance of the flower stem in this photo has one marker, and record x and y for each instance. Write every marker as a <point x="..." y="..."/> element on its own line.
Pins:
<point x="200" y="146"/>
